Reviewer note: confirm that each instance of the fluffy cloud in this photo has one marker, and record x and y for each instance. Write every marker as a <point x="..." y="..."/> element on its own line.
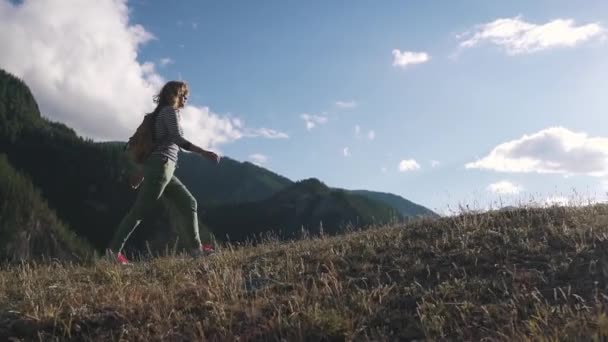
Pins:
<point x="405" y="58"/>
<point x="504" y="188"/>
<point x="519" y="37"/>
<point x="206" y="128"/>
<point x="552" y="150"/>
<point x="312" y="120"/>
<point x="80" y="59"/>
<point x="83" y="68"/>
<point x="357" y="130"/>
<point x="346" y="104"/>
<point x="408" y="165"/>
<point x="346" y="152"/>
<point x="166" y="61"/>
<point x="258" y="159"/>
<point x="435" y="163"/>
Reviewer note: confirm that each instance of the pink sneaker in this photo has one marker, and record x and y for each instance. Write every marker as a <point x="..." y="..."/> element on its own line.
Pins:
<point x="208" y="249"/>
<point x="203" y="251"/>
<point x="122" y="259"/>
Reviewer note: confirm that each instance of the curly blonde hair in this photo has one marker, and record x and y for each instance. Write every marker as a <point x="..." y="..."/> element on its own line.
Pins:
<point x="169" y="95"/>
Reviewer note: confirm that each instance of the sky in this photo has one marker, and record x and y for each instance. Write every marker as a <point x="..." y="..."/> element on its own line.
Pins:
<point x="448" y="104"/>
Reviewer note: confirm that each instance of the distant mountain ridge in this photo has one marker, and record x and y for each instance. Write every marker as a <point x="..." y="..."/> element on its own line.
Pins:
<point x="229" y="182"/>
<point x="253" y="183"/>
<point x="404" y="206"/>
<point x="308" y="204"/>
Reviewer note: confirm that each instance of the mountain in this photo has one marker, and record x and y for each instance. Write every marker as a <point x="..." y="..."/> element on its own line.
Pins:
<point x="229" y="182"/>
<point x="27" y="225"/>
<point x="17" y="107"/>
<point x="402" y="205"/>
<point x="85" y="184"/>
<point x="308" y="204"/>
<point x="234" y="182"/>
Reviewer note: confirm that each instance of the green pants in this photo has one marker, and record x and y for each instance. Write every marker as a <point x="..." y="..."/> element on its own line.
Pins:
<point x="159" y="180"/>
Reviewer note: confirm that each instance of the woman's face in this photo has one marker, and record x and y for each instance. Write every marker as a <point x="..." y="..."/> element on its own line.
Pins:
<point x="183" y="98"/>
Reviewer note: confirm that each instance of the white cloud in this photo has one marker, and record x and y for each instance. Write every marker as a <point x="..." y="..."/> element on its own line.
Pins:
<point x="312" y="120"/>
<point x="504" y="187"/>
<point x="266" y="133"/>
<point x="194" y="25"/>
<point x="408" y="165"/>
<point x="85" y="72"/>
<point x="258" y="159"/>
<point x="357" y="130"/>
<point x="205" y="128"/>
<point x="346" y="104"/>
<point x="435" y="163"/>
<point x="346" y="152"/>
<point x="371" y="135"/>
<point x="552" y="150"/>
<point x="166" y="61"/>
<point x="405" y="58"/>
<point x="519" y="37"/>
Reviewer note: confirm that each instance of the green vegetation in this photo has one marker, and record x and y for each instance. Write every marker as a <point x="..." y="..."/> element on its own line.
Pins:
<point x="229" y="182"/>
<point x="27" y="225"/>
<point x="403" y="206"/>
<point x="306" y="205"/>
<point x="524" y="274"/>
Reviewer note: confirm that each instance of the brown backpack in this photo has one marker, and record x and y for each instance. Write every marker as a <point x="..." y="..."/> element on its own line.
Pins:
<point x="142" y="143"/>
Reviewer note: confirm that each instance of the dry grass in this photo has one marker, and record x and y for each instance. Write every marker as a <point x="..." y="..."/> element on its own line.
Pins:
<point x="527" y="274"/>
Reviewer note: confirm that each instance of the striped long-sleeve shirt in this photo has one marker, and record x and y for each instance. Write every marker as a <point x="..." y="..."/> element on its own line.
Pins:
<point x="169" y="135"/>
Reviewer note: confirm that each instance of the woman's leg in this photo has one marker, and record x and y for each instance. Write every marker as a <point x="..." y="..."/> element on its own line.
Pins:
<point x="158" y="173"/>
<point x="186" y="205"/>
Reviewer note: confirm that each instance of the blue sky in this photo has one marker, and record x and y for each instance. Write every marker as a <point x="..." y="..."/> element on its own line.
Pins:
<point x="273" y="64"/>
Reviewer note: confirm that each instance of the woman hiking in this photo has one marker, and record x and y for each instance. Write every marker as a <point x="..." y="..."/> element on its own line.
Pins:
<point x="158" y="169"/>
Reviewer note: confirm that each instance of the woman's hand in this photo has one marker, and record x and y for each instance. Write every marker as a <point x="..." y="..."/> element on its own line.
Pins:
<point x="212" y="156"/>
<point x="136" y="179"/>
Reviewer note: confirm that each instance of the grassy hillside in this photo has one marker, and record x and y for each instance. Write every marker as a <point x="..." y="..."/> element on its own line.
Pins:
<point x="527" y="274"/>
